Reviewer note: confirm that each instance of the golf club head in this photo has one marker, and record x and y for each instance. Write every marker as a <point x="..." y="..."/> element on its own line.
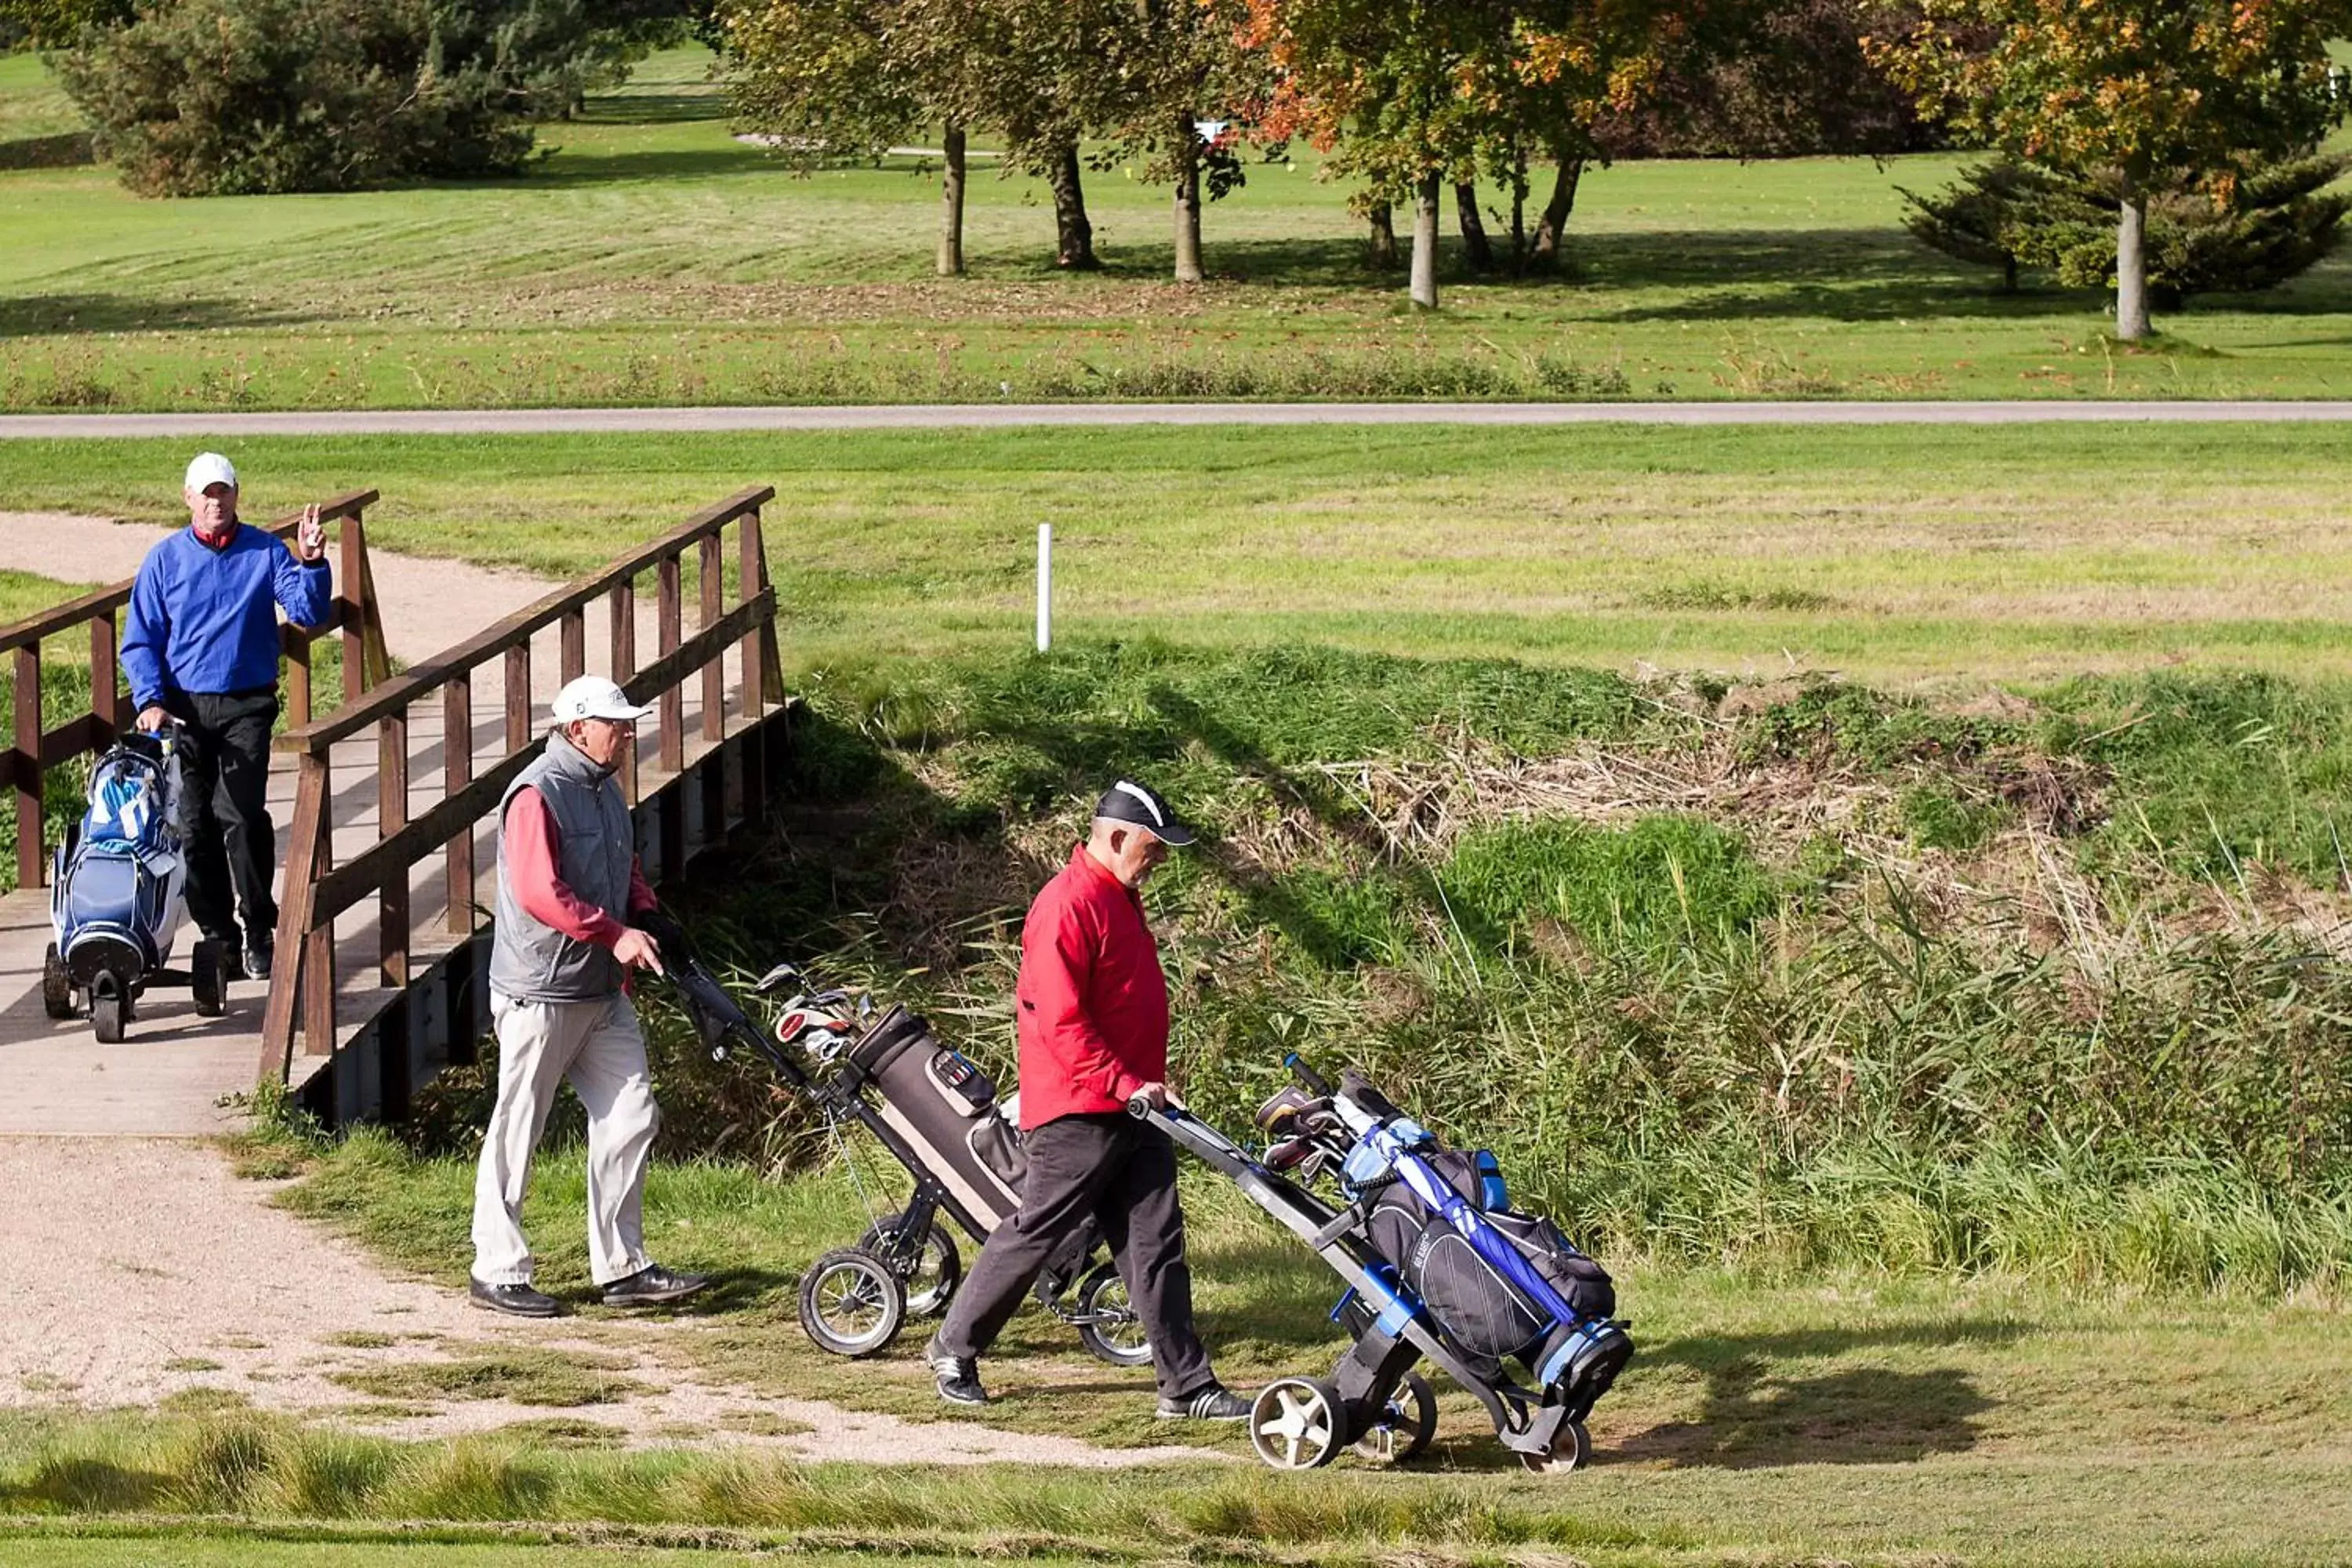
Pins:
<point x="776" y="979"/>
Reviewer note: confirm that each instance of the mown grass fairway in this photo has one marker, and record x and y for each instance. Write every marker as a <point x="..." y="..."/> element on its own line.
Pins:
<point x="654" y="260"/>
<point x="1765" y="1421"/>
<point x="1959" y="554"/>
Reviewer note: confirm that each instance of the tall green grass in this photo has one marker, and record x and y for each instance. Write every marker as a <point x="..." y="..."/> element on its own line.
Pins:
<point x="1693" y="1035"/>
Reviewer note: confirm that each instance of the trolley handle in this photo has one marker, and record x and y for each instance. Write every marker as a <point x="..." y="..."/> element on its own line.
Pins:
<point x="1311" y="1080"/>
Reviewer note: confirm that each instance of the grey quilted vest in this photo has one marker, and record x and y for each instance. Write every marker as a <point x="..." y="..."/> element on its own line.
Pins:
<point x="595" y="846"/>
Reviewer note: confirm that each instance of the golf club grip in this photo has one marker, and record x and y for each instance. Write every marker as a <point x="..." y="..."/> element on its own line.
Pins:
<point x="1313" y="1082"/>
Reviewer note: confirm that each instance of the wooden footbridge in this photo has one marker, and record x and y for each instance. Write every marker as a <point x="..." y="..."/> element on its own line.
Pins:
<point x="381" y="807"/>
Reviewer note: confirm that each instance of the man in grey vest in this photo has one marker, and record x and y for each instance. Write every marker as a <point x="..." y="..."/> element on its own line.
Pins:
<point x="569" y="889"/>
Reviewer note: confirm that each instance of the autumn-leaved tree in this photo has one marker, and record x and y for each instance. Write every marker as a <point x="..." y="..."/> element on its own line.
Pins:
<point x="1182" y="87"/>
<point x="2148" y="92"/>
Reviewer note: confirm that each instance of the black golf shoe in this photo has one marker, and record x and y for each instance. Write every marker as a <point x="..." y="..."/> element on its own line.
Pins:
<point x="1214" y="1403"/>
<point x="959" y="1375"/>
<point x="653" y="1285"/>
<point x="515" y="1300"/>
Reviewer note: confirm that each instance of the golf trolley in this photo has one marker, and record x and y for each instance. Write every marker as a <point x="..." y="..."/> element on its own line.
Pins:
<point x="935" y="1113"/>
<point x="117" y="894"/>
<point x="1432" y="1272"/>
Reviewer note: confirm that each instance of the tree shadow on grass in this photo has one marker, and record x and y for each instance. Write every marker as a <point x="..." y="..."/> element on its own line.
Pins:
<point x="568" y="167"/>
<point x="33" y="315"/>
<point x="653" y="109"/>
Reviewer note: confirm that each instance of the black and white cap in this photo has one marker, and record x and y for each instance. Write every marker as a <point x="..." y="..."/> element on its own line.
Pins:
<point x="1127" y="801"/>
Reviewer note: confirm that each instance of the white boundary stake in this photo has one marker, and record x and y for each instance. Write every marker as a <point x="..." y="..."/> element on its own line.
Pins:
<point x="1044" y="587"/>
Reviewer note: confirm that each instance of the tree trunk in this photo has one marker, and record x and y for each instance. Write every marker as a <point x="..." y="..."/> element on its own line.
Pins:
<point x="951" y="257"/>
<point x="1383" y="235"/>
<point x="1073" y="246"/>
<point x="1187" y="152"/>
<point x="1519" y="209"/>
<point x="2131" y="265"/>
<point x="1474" y="229"/>
<point x="1554" y="223"/>
<point x="1424" y="243"/>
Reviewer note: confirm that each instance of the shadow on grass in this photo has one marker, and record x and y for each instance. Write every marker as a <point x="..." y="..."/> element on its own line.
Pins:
<point x="1755" y="1413"/>
<point x="654" y="108"/>
<point x="34" y="314"/>
<point x="568" y="167"/>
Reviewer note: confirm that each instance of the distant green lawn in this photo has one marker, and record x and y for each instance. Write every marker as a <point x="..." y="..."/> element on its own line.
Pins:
<point x="1960" y="553"/>
<point x="652" y="258"/>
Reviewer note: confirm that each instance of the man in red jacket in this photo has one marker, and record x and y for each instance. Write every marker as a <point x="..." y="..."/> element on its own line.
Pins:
<point x="1092" y="1012"/>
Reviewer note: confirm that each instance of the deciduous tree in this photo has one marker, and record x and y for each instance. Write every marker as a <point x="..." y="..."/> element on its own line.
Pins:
<point x="2149" y="93"/>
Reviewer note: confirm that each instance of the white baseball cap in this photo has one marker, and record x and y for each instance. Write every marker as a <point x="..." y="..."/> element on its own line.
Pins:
<point x="210" y="469"/>
<point x="595" y="697"/>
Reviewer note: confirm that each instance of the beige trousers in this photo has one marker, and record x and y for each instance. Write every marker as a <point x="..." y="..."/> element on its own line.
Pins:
<point x="597" y="1045"/>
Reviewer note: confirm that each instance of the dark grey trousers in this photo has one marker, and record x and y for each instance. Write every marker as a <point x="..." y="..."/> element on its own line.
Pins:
<point x="232" y="845"/>
<point x="1123" y="1173"/>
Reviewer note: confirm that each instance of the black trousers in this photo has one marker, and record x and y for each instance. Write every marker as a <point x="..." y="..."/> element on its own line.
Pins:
<point x="231" y="845"/>
<point x="1123" y="1173"/>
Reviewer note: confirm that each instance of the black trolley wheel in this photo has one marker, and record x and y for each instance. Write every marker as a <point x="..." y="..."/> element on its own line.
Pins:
<point x="939" y="1266"/>
<point x="57" y="986"/>
<point x="1572" y="1450"/>
<point x="851" y="1303"/>
<point x="1404" y="1425"/>
<point x="1107" y="1324"/>
<point x="1298" y="1423"/>
<point x="209" y="978"/>
<point x="105" y="1017"/>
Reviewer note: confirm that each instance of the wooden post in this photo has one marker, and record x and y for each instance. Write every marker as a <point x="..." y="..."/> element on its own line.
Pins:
<point x="623" y="604"/>
<point x="349" y="610"/>
<point x="748" y="585"/>
<point x="457" y="764"/>
<point x="518" y="682"/>
<point x="573" y="636"/>
<point x="298" y="679"/>
<point x="391" y="815"/>
<point x="714" y="674"/>
<point x="105" y="679"/>
<point x="286" y="980"/>
<point x="319" y="941"/>
<point x="672" y="615"/>
<point x="29" y="867"/>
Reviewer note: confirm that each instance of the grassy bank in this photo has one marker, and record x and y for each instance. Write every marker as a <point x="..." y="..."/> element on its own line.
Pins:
<point x="1956" y="556"/>
<point x="654" y="260"/>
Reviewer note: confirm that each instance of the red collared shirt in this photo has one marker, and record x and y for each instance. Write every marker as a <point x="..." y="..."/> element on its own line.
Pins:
<point x="1092" y="1004"/>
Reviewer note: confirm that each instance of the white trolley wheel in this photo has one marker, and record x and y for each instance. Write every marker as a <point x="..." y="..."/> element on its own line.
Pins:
<point x="851" y="1303"/>
<point x="1405" y="1426"/>
<point x="1572" y="1450"/>
<point x="1298" y="1424"/>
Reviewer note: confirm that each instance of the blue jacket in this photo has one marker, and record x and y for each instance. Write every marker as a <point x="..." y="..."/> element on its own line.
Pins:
<point x="206" y="620"/>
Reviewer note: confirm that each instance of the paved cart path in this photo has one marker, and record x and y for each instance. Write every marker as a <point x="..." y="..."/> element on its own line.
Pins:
<point x="940" y="416"/>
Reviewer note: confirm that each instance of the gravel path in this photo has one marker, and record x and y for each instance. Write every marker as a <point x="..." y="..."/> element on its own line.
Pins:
<point x="144" y="1268"/>
<point x="937" y="415"/>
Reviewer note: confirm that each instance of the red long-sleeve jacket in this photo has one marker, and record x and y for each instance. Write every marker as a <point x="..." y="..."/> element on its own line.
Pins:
<point x="1092" y="1004"/>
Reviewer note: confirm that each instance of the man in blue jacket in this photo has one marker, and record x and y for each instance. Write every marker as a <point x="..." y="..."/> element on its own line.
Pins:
<point x="200" y="646"/>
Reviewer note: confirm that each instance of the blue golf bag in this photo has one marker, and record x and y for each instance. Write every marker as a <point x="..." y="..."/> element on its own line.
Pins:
<point x="116" y="892"/>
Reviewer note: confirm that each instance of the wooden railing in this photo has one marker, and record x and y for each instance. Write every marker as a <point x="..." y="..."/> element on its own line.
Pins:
<point x="302" y="988"/>
<point x="36" y="751"/>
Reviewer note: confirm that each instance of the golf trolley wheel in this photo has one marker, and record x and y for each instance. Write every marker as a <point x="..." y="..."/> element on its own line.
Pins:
<point x="1405" y="1424"/>
<point x="939" y="1267"/>
<point x="1107" y="1324"/>
<point x="57" y="986"/>
<point x="1572" y="1450"/>
<point x="851" y="1303"/>
<point x="208" y="979"/>
<point x="106" y="1016"/>
<point x="1298" y="1424"/>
